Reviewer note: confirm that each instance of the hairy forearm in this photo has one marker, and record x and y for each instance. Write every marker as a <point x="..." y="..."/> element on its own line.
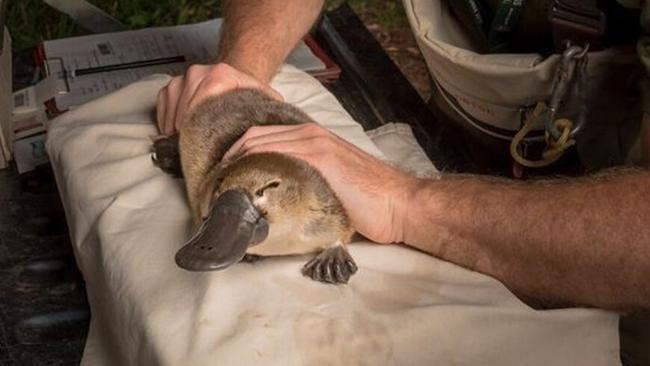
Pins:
<point x="259" y="34"/>
<point x="579" y="242"/>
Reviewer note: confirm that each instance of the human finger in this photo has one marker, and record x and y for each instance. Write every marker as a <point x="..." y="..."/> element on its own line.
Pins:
<point x="272" y="93"/>
<point x="193" y="77"/>
<point x="174" y="89"/>
<point x="299" y="149"/>
<point x="160" y="109"/>
<point x="261" y="134"/>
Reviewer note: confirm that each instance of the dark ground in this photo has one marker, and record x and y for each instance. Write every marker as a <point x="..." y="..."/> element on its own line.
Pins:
<point x="43" y="311"/>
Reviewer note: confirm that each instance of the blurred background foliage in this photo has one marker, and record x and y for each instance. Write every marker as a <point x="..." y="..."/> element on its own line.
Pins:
<point x="32" y="21"/>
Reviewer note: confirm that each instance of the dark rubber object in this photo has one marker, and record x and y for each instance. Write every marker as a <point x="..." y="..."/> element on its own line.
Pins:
<point x="232" y="226"/>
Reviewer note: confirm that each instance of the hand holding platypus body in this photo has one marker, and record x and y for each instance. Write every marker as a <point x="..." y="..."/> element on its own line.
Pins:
<point x="262" y="204"/>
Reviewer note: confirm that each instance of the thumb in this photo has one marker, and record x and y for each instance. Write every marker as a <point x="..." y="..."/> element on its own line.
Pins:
<point x="273" y="93"/>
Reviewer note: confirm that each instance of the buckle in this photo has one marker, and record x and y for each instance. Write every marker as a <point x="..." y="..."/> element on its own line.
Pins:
<point x="579" y="21"/>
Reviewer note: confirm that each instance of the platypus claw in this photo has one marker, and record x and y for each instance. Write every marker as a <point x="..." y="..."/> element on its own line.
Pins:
<point x="332" y="265"/>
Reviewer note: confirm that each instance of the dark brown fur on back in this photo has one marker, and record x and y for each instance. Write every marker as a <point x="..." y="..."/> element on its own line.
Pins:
<point x="234" y="113"/>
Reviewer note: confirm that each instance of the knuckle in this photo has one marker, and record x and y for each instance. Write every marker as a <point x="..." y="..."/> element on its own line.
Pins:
<point x="246" y="145"/>
<point x="194" y="72"/>
<point x="216" y="85"/>
<point x="174" y="83"/>
<point x="221" y="68"/>
<point x="252" y="132"/>
<point x="314" y="129"/>
<point x="316" y="159"/>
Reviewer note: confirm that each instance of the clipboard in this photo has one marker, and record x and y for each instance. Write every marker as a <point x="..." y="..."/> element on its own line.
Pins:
<point x="332" y="71"/>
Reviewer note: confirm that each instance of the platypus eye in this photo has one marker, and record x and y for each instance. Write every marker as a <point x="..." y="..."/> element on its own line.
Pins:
<point x="271" y="184"/>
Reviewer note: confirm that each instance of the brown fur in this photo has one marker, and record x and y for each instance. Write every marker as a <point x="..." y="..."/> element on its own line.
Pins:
<point x="214" y="125"/>
<point x="302" y="199"/>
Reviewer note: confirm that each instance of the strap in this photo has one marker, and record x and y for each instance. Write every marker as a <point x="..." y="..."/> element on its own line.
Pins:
<point x="578" y="21"/>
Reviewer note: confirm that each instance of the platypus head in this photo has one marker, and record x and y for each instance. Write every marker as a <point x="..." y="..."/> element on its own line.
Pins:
<point x="250" y="194"/>
<point x="272" y="182"/>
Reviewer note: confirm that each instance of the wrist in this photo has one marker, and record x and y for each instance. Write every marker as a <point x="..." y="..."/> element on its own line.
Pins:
<point x="420" y="208"/>
<point x="263" y="69"/>
<point x="408" y="211"/>
<point x="224" y="77"/>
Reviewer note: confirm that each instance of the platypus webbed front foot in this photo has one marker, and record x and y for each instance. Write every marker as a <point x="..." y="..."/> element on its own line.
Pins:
<point x="332" y="265"/>
<point x="165" y="155"/>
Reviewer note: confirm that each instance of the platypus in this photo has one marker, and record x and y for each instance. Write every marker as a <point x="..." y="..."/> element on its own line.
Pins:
<point x="263" y="204"/>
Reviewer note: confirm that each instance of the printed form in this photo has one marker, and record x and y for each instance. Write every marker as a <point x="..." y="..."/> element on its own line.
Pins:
<point x="181" y="45"/>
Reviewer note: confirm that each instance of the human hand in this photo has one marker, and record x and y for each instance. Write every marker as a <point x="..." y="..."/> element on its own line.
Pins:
<point x="199" y="82"/>
<point x="375" y="195"/>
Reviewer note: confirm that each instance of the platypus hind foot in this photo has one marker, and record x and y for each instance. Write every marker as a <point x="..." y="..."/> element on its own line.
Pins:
<point x="332" y="265"/>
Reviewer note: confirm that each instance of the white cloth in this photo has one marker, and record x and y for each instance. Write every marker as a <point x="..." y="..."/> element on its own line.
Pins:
<point x="127" y="219"/>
